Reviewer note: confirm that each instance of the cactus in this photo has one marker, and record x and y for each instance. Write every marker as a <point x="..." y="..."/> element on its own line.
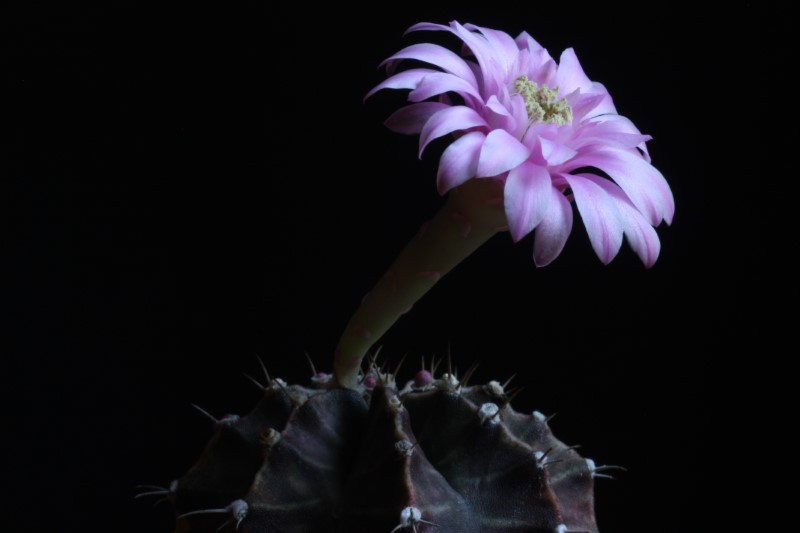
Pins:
<point x="352" y="452"/>
<point x="437" y="454"/>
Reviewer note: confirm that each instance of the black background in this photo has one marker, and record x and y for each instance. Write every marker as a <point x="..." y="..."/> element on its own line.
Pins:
<point x="194" y="186"/>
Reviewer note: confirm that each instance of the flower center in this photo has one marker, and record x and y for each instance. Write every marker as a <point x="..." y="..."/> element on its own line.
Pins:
<point x="543" y="103"/>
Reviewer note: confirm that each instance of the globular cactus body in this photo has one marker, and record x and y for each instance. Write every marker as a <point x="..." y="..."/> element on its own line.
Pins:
<point x="434" y="456"/>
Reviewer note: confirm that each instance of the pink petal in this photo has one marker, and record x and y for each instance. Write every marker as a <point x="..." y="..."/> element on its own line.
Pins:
<point x="526" y="198"/>
<point x="447" y="121"/>
<point x="583" y="104"/>
<point x="494" y="104"/>
<point x="441" y="82"/>
<point x="606" y="133"/>
<point x="644" y="185"/>
<point x="427" y="26"/>
<point x="556" y="153"/>
<point x="436" y="55"/>
<point x="408" y="79"/>
<point x="641" y="236"/>
<point x="522" y="63"/>
<point x="570" y="75"/>
<point x="590" y="104"/>
<point x="600" y="216"/>
<point x="411" y="118"/>
<point x="552" y="232"/>
<point x="533" y="140"/>
<point x="606" y="105"/>
<point x="500" y="116"/>
<point x="618" y="123"/>
<point x="503" y="45"/>
<point x="488" y="67"/>
<point x="500" y="153"/>
<point x="459" y="162"/>
<point x="525" y="41"/>
<point x="520" y="114"/>
<point x="542" y="69"/>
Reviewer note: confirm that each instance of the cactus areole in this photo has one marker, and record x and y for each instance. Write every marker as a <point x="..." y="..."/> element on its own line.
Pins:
<point x="354" y="451"/>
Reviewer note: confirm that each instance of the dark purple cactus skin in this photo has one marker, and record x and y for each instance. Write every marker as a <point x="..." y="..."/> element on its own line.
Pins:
<point x="443" y="457"/>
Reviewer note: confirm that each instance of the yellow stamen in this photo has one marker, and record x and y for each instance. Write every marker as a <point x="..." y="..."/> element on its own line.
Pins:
<point x="542" y="103"/>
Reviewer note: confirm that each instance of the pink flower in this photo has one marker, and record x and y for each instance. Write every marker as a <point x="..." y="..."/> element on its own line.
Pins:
<point x="544" y="130"/>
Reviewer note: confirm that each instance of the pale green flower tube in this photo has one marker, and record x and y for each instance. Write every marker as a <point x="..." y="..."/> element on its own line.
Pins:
<point x="473" y="213"/>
